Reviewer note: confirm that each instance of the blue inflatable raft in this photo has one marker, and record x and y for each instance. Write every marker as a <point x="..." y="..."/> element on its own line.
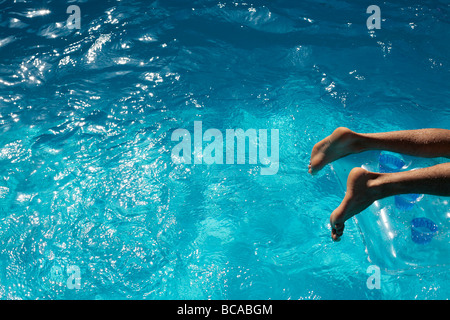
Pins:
<point x="405" y="231"/>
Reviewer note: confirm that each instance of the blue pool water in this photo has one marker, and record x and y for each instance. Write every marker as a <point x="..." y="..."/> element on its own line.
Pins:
<point x="87" y="183"/>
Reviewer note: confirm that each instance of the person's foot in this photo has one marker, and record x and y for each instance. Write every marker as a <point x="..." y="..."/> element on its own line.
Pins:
<point x="361" y="192"/>
<point x="340" y="143"/>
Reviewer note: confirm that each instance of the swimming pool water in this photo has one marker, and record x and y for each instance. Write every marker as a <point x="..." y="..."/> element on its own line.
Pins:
<point x="87" y="183"/>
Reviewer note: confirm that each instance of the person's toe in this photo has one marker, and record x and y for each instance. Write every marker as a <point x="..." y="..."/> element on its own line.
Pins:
<point x="336" y="231"/>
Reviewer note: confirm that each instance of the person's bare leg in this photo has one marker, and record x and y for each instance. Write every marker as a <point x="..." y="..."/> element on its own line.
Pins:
<point x="340" y="143"/>
<point x="428" y="143"/>
<point x="365" y="187"/>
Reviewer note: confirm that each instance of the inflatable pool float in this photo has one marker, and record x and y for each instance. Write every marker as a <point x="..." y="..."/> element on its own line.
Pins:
<point x="403" y="231"/>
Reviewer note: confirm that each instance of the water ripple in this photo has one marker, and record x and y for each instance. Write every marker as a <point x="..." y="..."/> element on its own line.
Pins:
<point x="86" y="118"/>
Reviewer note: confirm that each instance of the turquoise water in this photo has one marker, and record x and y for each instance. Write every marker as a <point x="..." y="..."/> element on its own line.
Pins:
<point x="87" y="183"/>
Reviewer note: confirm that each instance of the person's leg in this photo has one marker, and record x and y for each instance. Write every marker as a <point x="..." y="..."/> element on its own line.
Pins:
<point x="365" y="187"/>
<point x="421" y="142"/>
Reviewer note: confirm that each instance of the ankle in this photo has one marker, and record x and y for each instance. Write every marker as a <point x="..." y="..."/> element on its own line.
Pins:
<point x="360" y="142"/>
<point x="356" y="142"/>
<point x="385" y="185"/>
<point x="377" y="186"/>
